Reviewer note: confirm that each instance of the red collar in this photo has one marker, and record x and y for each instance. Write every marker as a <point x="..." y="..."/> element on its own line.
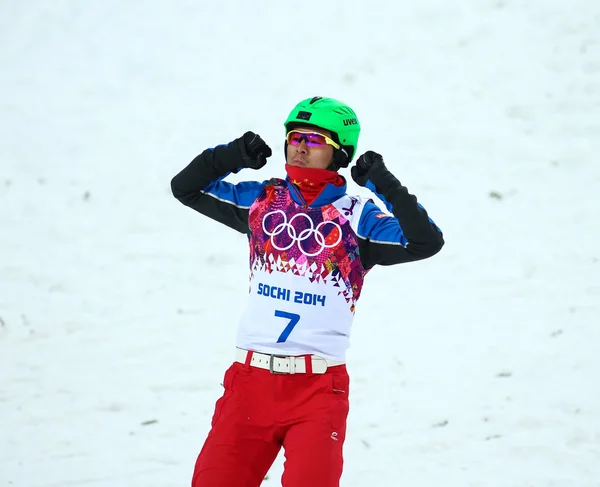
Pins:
<point x="311" y="181"/>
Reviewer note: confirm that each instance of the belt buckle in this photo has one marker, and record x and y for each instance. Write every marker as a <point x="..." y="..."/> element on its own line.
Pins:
<point x="273" y="357"/>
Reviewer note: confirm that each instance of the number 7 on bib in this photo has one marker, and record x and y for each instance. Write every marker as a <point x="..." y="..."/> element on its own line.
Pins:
<point x="294" y="319"/>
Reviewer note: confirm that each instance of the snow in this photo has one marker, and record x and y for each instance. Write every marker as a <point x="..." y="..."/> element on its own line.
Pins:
<point x="118" y="306"/>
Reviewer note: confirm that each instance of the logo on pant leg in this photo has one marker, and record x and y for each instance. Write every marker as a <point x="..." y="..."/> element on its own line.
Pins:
<point x="334" y="436"/>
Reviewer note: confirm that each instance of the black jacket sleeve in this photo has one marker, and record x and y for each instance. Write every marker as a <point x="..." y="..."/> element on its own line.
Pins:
<point x="408" y="236"/>
<point x="199" y="186"/>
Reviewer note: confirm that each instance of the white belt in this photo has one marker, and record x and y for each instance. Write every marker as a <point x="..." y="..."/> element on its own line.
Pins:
<point x="278" y="364"/>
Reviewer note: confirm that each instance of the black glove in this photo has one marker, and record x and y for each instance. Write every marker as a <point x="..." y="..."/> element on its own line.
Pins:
<point x="369" y="166"/>
<point x="254" y="150"/>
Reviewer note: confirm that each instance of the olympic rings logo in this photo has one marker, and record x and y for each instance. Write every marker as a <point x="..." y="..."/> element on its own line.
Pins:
<point x="298" y="238"/>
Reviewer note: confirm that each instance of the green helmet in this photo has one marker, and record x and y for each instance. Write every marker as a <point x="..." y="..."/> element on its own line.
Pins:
<point x="329" y="114"/>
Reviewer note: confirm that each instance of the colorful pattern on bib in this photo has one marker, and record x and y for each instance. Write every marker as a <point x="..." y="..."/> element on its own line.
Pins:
<point x="316" y="243"/>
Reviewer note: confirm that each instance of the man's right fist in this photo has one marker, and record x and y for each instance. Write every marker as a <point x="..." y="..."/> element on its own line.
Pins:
<point x="254" y="150"/>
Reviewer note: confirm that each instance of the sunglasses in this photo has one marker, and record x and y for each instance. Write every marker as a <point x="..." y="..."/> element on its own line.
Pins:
<point x="312" y="139"/>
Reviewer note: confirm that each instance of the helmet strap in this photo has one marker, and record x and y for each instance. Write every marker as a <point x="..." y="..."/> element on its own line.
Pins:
<point x="340" y="159"/>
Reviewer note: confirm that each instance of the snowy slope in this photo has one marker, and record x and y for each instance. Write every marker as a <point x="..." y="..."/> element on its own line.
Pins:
<point x="118" y="306"/>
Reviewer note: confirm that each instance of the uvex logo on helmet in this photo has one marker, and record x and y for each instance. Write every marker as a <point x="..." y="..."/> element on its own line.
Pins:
<point x="350" y="121"/>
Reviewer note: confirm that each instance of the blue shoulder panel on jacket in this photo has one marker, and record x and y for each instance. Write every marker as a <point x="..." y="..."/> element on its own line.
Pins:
<point x="379" y="227"/>
<point x="388" y="205"/>
<point x="371" y="186"/>
<point x="241" y="194"/>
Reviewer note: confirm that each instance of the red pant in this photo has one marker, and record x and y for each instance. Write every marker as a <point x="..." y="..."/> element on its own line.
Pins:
<point x="260" y="412"/>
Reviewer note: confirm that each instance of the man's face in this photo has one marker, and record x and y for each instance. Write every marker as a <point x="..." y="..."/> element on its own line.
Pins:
<point x="305" y="151"/>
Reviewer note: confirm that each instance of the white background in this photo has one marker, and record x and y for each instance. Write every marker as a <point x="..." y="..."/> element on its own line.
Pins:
<point x="118" y="306"/>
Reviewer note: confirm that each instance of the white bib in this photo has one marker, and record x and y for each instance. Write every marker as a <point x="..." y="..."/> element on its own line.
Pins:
<point x="305" y="275"/>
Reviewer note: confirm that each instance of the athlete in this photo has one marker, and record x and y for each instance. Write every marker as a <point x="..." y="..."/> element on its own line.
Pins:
<point x="311" y="245"/>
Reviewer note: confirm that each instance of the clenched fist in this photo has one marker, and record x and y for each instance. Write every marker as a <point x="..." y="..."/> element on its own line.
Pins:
<point x="369" y="166"/>
<point x="254" y="150"/>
